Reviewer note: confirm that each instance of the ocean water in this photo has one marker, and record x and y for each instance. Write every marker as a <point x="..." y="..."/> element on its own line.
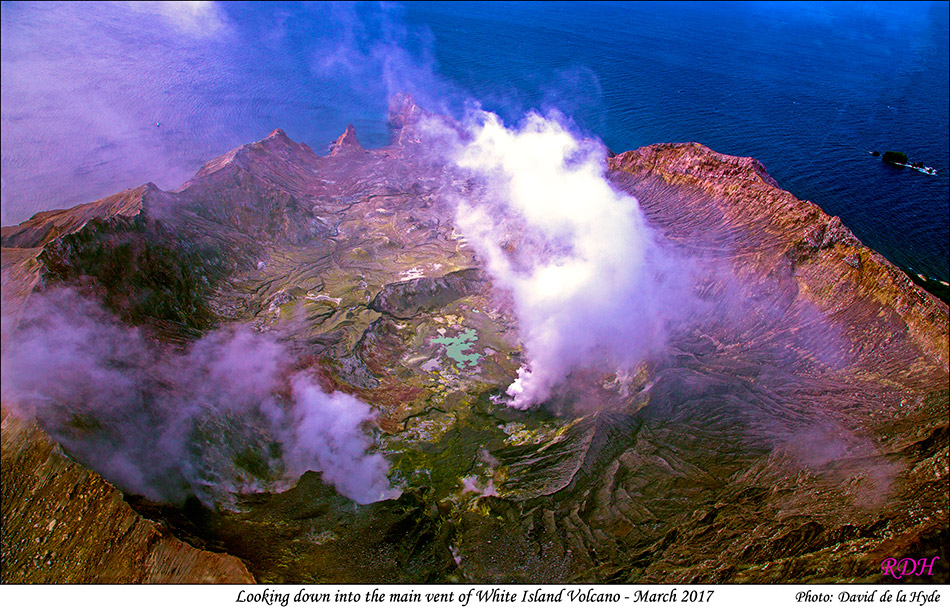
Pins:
<point x="806" y="88"/>
<point x="100" y="97"/>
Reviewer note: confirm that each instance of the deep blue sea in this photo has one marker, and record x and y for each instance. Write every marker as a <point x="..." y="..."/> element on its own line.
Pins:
<point x="101" y="97"/>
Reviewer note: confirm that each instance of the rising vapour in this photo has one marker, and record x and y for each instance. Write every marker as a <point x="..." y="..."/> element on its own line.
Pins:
<point x="326" y="435"/>
<point x="99" y="97"/>
<point x="228" y="415"/>
<point x="576" y="255"/>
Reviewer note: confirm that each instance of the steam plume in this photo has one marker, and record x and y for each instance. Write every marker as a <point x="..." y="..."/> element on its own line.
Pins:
<point x="576" y="255"/>
<point x="209" y="422"/>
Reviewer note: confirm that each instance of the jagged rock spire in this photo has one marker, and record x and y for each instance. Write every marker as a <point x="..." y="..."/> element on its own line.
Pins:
<point x="346" y="142"/>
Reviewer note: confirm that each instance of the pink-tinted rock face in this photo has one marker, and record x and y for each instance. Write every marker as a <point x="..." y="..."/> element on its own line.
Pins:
<point x="346" y="143"/>
<point x="404" y="116"/>
<point x="771" y="230"/>
<point x="793" y="428"/>
<point x="48" y="225"/>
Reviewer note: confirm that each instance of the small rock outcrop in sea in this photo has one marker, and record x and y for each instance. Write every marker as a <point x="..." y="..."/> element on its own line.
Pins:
<point x="899" y="159"/>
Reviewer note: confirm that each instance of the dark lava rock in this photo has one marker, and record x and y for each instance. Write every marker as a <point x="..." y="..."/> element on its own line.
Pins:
<point x="406" y="299"/>
<point x="898" y="158"/>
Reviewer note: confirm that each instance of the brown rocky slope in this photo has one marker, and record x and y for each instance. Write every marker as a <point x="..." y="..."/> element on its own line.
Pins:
<point x="64" y="524"/>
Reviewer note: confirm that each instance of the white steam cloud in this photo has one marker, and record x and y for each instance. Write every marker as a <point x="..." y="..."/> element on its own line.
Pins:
<point x="576" y="255"/>
<point x="326" y="432"/>
<point x="229" y="415"/>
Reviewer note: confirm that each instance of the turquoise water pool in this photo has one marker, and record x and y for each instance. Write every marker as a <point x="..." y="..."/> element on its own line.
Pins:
<point x="455" y="347"/>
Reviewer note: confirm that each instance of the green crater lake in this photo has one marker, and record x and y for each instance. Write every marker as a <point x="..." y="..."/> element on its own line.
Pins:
<point x="455" y="347"/>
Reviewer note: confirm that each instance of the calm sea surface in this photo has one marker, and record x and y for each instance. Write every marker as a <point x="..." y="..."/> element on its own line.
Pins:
<point x="806" y="88"/>
<point x="105" y="97"/>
